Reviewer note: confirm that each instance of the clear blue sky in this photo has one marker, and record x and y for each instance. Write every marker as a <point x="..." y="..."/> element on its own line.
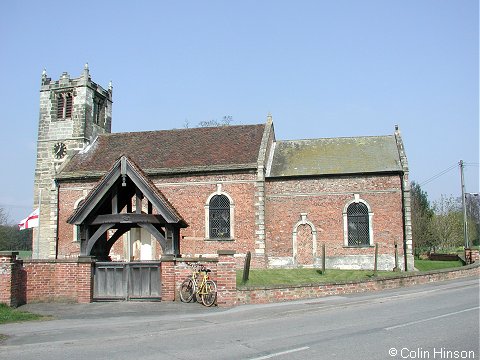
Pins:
<point x="322" y="68"/>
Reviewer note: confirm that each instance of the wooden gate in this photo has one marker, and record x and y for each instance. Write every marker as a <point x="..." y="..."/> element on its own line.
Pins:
<point x="127" y="281"/>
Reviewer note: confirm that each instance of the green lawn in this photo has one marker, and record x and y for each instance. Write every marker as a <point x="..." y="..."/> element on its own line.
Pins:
<point x="272" y="277"/>
<point x="8" y="315"/>
<point x="427" y="265"/>
<point x="266" y="277"/>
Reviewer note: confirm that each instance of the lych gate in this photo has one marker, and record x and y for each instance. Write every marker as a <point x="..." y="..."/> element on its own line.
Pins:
<point x="125" y="199"/>
<point x="116" y="204"/>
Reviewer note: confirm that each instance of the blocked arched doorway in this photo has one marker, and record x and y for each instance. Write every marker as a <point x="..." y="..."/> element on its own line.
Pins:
<point x="304" y="241"/>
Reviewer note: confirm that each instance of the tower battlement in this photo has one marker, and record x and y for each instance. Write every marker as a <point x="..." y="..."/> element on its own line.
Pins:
<point x="73" y="112"/>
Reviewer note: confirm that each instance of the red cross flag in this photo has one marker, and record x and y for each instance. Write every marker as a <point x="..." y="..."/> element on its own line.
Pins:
<point x="29" y="222"/>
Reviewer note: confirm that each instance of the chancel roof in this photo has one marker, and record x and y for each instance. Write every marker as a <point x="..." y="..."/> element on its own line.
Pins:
<point x="171" y="151"/>
<point x="336" y="156"/>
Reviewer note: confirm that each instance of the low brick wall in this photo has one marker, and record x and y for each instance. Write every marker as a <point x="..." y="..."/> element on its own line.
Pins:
<point x="23" y="282"/>
<point x="472" y="256"/>
<point x="263" y="295"/>
<point x="175" y="270"/>
<point x="443" y="257"/>
<point x="58" y="280"/>
<point x="72" y="281"/>
<point x="12" y="279"/>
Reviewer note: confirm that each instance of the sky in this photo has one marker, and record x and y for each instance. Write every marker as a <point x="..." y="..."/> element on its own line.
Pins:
<point x="321" y="68"/>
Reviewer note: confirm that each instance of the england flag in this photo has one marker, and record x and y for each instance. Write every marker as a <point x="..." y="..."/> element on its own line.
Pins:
<point x="29" y="222"/>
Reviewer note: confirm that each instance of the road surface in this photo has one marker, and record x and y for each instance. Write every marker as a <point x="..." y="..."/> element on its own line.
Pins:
<point x="433" y="321"/>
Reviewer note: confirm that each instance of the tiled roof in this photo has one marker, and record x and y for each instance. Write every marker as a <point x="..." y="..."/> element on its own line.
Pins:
<point x="336" y="156"/>
<point x="171" y="151"/>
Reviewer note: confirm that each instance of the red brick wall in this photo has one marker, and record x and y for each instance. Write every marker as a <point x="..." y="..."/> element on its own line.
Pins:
<point x="188" y="195"/>
<point x="278" y="294"/>
<point x="44" y="280"/>
<point x="68" y="196"/>
<point x="226" y="279"/>
<point x="58" y="281"/>
<point x="8" y="264"/>
<point x="323" y="200"/>
<point x="175" y="271"/>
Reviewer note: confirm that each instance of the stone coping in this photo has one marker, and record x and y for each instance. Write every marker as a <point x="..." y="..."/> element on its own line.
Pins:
<point x="167" y="258"/>
<point x="8" y="253"/>
<point x="58" y="261"/>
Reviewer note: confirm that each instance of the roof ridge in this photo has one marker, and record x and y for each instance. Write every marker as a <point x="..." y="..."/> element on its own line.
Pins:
<point x="337" y="138"/>
<point x="181" y="129"/>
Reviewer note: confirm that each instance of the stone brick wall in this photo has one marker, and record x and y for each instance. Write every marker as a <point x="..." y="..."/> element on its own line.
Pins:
<point x="75" y="132"/>
<point x="322" y="201"/>
<point x="246" y="295"/>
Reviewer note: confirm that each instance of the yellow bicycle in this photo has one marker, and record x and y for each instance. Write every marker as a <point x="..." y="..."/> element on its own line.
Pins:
<point x="199" y="285"/>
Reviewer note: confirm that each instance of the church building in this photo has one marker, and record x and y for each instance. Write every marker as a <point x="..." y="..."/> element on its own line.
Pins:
<point x="190" y="192"/>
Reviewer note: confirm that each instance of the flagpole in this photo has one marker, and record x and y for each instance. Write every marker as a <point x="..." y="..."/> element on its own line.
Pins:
<point x="37" y="245"/>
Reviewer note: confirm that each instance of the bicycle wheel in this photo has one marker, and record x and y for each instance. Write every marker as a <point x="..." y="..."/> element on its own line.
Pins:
<point x="209" y="295"/>
<point x="187" y="290"/>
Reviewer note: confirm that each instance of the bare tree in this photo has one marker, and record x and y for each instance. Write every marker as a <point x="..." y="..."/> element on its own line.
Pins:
<point x="447" y="224"/>
<point x="226" y="121"/>
<point x="3" y="217"/>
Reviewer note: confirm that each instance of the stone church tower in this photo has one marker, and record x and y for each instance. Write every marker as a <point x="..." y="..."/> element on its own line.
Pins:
<point x="72" y="113"/>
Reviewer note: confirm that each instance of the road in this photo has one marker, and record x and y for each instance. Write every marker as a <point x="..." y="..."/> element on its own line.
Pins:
<point x="433" y="321"/>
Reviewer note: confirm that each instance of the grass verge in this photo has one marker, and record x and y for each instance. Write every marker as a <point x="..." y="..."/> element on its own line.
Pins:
<point x="272" y="277"/>
<point x="427" y="265"/>
<point x="9" y="315"/>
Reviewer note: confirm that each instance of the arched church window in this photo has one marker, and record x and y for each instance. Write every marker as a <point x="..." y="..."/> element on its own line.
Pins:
<point x="219" y="217"/>
<point x="358" y="225"/>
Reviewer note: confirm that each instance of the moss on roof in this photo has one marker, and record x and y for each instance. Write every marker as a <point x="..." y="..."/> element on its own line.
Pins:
<point x="335" y="156"/>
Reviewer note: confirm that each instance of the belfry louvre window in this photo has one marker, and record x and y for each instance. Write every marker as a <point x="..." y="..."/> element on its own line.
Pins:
<point x="98" y="111"/>
<point x="219" y="217"/>
<point x="358" y="225"/>
<point x="64" y="105"/>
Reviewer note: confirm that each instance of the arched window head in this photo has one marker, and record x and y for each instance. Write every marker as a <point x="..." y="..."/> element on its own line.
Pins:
<point x="219" y="217"/>
<point x="358" y="225"/>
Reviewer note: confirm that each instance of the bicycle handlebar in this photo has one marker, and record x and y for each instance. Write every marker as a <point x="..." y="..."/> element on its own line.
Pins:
<point x="201" y="268"/>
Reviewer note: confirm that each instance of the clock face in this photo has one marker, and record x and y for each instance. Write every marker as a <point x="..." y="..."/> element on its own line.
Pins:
<point x="59" y="150"/>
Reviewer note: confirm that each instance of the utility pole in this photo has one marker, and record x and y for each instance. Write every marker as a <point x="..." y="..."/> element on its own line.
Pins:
<point x="464" y="207"/>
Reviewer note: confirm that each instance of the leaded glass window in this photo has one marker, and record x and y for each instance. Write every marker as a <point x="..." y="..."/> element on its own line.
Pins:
<point x="219" y="217"/>
<point x="358" y="225"/>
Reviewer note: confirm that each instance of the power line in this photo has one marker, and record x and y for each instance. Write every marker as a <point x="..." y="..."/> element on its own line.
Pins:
<point x="434" y="177"/>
